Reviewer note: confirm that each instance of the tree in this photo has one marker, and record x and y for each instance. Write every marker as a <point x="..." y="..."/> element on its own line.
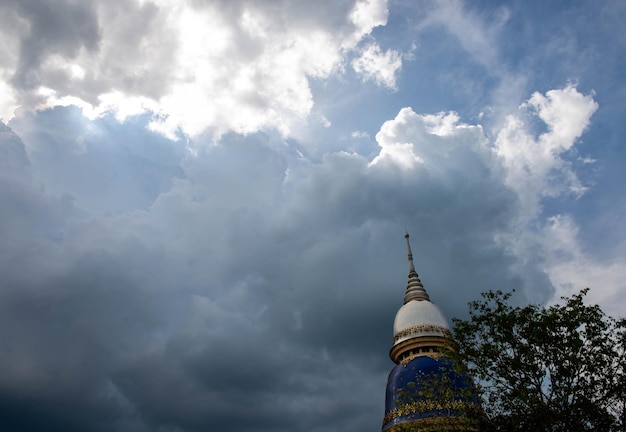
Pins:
<point x="555" y="368"/>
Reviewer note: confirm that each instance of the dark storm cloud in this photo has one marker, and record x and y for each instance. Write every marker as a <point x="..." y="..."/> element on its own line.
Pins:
<point x="250" y="289"/>
<point x="62" y="340"/>
<point x="58" y="338"/>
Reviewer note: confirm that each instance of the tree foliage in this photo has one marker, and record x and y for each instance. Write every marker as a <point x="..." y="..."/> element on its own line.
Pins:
<point x="555" y="368"/>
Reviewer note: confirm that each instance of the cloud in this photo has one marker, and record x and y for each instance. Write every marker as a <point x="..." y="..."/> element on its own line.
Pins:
<point x="49" y="33"/>
<point x="377" y="66"/>
<point x="475" y="32"/>
<point x="226" y="66"/>
<point x="411" y="138"/>
<point x="8" y="101"/>
<point x="249" y="274"/>
<point x="105" y="165"/>
<point x="158" y="285"/>
<point x="571" y="267"/>
<point x="536" y="167"/>
<point x="368" y="14"/>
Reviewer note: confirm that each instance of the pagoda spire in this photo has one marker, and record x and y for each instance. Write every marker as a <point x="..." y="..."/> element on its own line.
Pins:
<point x="414" y="288"/>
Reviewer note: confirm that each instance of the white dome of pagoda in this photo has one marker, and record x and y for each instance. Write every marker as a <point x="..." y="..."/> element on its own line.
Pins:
<point x="419" y="318"/>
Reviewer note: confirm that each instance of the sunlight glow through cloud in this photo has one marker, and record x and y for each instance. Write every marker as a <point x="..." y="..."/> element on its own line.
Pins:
<point x="224" y="69"/>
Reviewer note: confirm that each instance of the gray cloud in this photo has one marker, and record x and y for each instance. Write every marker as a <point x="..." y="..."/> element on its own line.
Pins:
<point x="62" y="28"/>
<point x="249" y="288"/>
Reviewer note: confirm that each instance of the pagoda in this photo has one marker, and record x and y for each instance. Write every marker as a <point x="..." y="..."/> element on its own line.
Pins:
<point x="426" y="390"/>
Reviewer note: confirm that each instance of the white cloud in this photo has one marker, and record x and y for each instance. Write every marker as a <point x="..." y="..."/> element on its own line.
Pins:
<point x="393" y="147"/>
<point x="368" y="14"/>
<point x="359" y="134"/>
<point x="566" y="112"/>
<point x="325" y="122"/>
<point x="238" y="66"/>
<point x="535" y="166"/>
<point x="380" y="67"/>
<point x="399" y="153"/>
<point x="8" y="102"/>
<point x="412" y="138"/>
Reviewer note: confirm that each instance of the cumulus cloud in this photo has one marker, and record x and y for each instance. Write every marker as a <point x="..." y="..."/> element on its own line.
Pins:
<point x="412" y="138"/>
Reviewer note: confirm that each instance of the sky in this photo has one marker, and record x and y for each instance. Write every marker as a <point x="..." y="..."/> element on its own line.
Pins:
<point x="204" y="201"/>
